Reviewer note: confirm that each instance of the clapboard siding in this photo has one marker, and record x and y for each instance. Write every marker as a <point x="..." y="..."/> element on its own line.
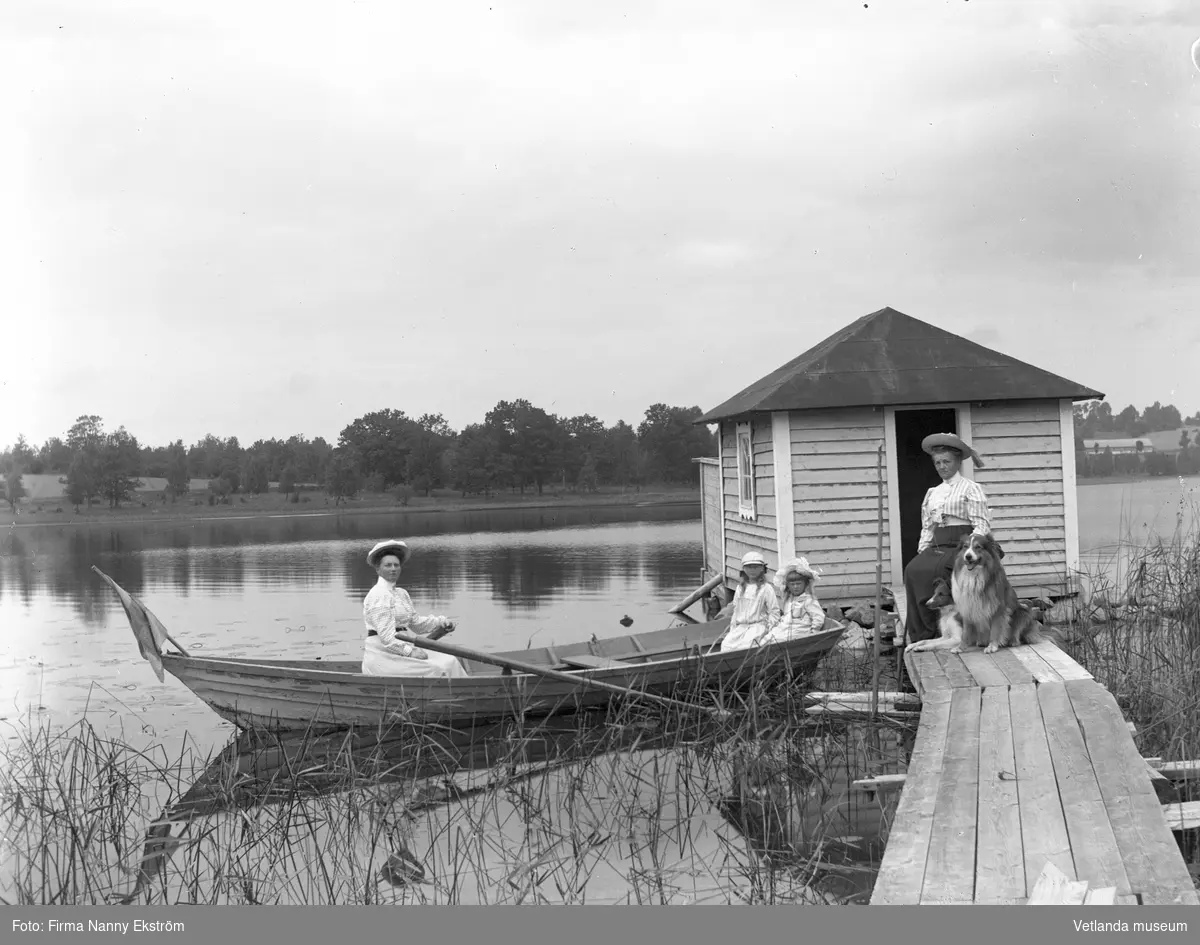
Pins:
<point x="835" y="489"/>
<point x="742" y="535"/>
<point x="1022" y="446"/>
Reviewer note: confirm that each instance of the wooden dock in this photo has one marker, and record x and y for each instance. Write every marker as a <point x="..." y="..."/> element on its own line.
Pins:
<point x="1023" y="759"/>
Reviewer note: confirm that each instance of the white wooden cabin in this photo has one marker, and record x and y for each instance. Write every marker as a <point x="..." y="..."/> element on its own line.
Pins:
<point x="801" y="471"/>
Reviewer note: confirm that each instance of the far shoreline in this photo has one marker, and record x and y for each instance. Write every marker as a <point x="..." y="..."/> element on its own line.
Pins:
<point x="182" y="513"/>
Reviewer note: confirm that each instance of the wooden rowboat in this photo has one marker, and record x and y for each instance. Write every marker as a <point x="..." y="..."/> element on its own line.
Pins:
<point x="281" y="695"/>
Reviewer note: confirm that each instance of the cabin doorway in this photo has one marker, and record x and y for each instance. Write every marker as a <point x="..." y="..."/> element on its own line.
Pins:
<point x="914" y="469"/>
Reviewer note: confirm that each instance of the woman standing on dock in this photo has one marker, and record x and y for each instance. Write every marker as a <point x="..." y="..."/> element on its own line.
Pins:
<point x="755" y="606"/>
<point x="954" y="507"/>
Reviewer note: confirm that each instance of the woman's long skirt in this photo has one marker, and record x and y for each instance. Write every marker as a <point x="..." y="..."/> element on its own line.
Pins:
<point x="922" y="573"/>
<point x="380" y="661"/>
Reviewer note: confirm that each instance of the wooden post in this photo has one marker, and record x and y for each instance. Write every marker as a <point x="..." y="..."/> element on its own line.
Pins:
<point x="878" y="600"/>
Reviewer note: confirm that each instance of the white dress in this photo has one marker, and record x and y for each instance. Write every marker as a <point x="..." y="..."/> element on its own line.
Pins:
<point x="802" y="615"/>
<point x="755" y="612"/>
<point x="386" y="608"/>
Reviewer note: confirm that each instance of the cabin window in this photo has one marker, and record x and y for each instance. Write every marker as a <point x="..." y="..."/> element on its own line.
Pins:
<point x="745" y="467"/>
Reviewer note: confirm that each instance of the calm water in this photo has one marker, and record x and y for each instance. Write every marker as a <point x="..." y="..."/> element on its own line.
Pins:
<point x="294" y="587"/>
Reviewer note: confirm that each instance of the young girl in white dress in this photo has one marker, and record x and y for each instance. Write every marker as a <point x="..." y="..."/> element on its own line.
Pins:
<point x="801" y="612"/>
<point x="755" y="606"/>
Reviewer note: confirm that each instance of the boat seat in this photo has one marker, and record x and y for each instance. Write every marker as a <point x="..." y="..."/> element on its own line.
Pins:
<point x="584" y="661"/>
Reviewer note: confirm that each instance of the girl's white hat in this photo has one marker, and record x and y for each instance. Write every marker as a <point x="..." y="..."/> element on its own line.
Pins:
<point x="753" y="557"/>
<point x="794" y="566"/>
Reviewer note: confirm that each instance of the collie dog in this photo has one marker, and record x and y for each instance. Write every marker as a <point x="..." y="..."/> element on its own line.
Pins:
<point x="982" y="609"/>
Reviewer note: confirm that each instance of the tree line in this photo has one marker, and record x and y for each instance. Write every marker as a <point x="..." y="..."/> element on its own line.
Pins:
<point x="1096" y="419"/>
<point x="517" y="447"/>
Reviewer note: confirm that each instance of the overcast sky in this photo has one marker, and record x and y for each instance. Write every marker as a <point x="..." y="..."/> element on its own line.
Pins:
<point x="260" y="219"/>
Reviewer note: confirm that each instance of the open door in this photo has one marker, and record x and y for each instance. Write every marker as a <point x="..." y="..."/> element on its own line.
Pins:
<point x="914" y="469"/>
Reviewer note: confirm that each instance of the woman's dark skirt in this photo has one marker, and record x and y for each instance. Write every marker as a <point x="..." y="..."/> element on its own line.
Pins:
<point x="922" y="573"/>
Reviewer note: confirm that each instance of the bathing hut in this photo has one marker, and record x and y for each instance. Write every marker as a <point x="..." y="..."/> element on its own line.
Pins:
<point x="801" y="469"/>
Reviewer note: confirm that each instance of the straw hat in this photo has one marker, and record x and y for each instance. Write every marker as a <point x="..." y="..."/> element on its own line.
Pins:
<point x="391" y="546"/>
<point x="952" y="440"/>
<point x="795" y="566"/>
<point x="753" y="557"/>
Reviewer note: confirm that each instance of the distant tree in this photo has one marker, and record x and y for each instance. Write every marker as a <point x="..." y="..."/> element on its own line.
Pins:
<point x="287" y="480"/>
<point x="55" y="455"/>
<point x="381" y="441"/>
<point x="14" y="488"/>
<point x="475" y="461"/>
<point x="343" y="475"/>
<point x="427" y="442"/>
<point x="1158" y="417"/>
<point x="257" y="476"/>
<point x="21" y="453"/>
<point x="671" y="440"/>
<point x="178" y="481"/>
<point x="119" y="467"/>
<point x="231" y="474"/>
<point x="1127" y="420"/>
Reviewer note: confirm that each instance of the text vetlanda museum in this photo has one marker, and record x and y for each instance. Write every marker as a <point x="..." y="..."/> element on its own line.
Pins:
<point x="1093" y="925"/>
<point x="137" y="925"/>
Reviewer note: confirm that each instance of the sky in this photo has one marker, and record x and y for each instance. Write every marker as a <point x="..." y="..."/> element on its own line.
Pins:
<point x="261" y="219"/>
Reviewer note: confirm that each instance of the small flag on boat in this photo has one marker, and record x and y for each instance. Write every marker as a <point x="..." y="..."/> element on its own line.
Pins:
<point x="147" y="630"/>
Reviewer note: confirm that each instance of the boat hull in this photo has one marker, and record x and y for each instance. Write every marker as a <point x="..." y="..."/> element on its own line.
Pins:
<point x="283" y="695"/>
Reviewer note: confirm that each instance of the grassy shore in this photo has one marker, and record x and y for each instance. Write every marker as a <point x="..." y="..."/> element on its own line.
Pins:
<point x="155" y="507"/>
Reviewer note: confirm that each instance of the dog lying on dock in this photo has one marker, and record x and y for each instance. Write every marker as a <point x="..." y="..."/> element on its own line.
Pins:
<point x="980" y="606"/>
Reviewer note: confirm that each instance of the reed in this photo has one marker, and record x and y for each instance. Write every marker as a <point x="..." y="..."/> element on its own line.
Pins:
<point x="1136" y="629"/>
<point x="640" y="804"/>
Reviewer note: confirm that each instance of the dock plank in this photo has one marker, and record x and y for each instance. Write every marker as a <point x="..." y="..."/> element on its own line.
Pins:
<point x="950" y="870"/>
<point x="1067" y="668"/>
<point x="982" y="667"/>
<point x="1043" y="822"/>
<point x="925" y="672"/>
<point x="1094" y="847"/>
<point x="902" y="869"/>
<point x="1017" y="672"/>
<point x="1153" y="863"/>
<point x="1000" y="870"/>
<point x="1042" y="671"/>
<point x="956" y="671"/>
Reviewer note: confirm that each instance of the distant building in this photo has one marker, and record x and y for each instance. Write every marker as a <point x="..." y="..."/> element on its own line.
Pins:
<point x="1119" y="445"/>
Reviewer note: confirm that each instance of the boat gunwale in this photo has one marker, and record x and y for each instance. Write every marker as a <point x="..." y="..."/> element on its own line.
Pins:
<point x="241" y="665"/>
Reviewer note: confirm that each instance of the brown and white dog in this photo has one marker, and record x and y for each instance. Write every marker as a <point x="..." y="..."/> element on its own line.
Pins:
<point x="983" y="607"/>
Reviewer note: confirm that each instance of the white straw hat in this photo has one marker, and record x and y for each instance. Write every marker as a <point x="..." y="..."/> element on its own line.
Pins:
<point x="753" y="557"/>
<point x="391" y="546"/>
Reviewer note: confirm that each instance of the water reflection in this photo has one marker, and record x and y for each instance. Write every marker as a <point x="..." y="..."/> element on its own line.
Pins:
<point x="496" y="552"/>
<point x="294" y="588"/>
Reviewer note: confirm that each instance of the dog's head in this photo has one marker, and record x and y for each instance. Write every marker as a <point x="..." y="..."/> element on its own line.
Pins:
<point x="941" y="596"/>
<point x="974" y="548"/>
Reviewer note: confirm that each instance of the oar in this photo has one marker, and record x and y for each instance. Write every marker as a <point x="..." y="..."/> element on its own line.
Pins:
<point x="463" y="653"/>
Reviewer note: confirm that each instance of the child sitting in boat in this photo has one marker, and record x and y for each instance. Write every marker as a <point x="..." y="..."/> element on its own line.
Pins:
<point x="801" y="613"/>
<point x="388" y="608"/>
<point x="755" y="606"/>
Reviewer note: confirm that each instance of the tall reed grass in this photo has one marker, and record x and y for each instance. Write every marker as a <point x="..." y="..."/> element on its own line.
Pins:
<point x="633" y="804"/>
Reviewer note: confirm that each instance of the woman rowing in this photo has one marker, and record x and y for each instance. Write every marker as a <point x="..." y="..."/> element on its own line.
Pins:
<point x="388" y="608"/>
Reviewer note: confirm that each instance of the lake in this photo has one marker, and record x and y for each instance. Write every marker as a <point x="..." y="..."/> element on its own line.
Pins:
<point x="293" y="586"/>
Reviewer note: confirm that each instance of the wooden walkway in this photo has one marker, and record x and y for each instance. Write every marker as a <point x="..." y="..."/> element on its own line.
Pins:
<point x="1022" y="759"/>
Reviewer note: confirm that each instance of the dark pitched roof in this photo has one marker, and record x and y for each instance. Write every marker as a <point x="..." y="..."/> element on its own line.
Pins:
<point x="888" y="358"/>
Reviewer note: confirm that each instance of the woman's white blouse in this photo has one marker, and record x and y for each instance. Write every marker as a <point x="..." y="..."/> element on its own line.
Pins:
<point x="387" y="608"/>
